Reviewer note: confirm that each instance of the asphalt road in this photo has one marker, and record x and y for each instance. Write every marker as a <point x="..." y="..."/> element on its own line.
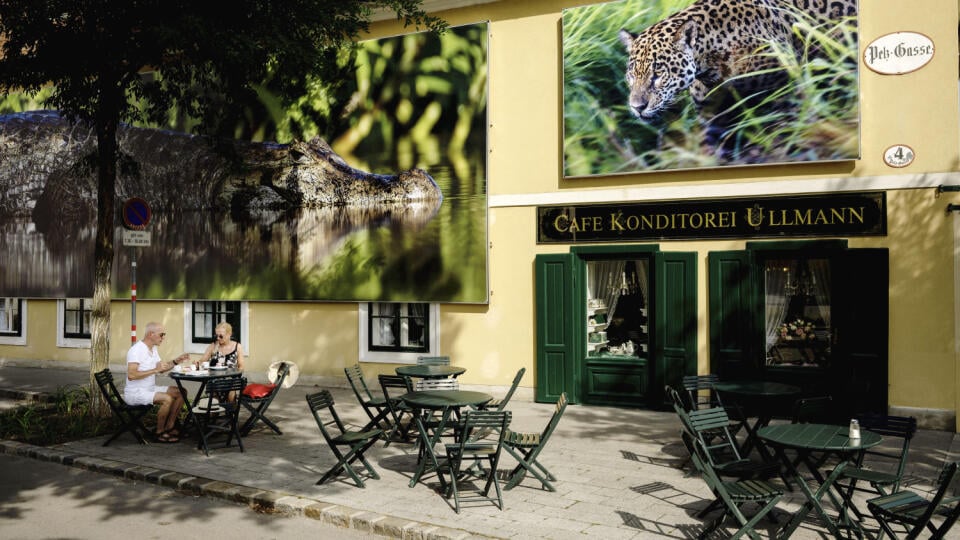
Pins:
<point x="53" y="501"/>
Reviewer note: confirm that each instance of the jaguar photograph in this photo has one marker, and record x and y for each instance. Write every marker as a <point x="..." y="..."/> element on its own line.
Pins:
<point x="685" y="84"/>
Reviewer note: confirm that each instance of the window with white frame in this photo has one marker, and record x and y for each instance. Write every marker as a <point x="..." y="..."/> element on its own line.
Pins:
<point x="201" y="317"/>
<point x="398" y="332"/>
<point x="73" y="322"/>
<point x="13" y="321"/>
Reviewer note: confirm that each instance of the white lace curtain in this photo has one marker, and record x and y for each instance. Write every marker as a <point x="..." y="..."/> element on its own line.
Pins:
<point x="777" y="274"/>
<point x="604" y="279"/>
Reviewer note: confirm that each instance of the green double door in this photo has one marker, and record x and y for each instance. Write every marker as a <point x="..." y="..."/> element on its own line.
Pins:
<point x="850" y="360"/>
<point x="636" y="379"/>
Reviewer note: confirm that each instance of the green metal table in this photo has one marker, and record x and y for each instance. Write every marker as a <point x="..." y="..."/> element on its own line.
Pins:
<point x="430" y="372"/>
<point x="448" y="402"/>
<point x="807" y="440"/>
<point x="759" y="399"/>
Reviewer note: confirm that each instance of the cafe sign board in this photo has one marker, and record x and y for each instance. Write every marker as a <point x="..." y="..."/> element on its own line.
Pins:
<point x="842" y="214"/>
<point x="898" y="53"/>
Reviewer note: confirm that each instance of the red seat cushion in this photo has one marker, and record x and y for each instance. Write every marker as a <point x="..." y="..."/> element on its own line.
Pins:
<point x="257" y="391"/>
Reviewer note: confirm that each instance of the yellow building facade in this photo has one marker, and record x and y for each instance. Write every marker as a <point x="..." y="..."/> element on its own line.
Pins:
<point x="525" y="172"/>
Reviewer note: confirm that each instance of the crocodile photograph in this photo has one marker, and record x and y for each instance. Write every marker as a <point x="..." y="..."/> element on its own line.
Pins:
<point x="234" y="219"/>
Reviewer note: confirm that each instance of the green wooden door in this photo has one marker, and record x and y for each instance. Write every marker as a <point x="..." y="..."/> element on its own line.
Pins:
<point x="558" y="321"/>
<point x="860" y="349"/>
<point x="734" y="323"/>
<point x="674" y="323"/>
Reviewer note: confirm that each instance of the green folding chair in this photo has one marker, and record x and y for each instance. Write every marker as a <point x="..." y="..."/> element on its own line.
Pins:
<point x="710" y="427"/>
<point x="501" y="404"/>
<point x="526" y="448"/>
<point x="916" y="513"/>
<point x="337" y="436"/>
<point x="394" y="386"/>
<point x="375" y="406"/>
<point x="879" y="470"/>
<point x="130" y="417"/>
<point x="732" y="495"/>
<point x="470" y="450"/>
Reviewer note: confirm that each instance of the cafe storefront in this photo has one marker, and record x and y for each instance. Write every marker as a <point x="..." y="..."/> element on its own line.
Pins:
<point x="617" y="319"/>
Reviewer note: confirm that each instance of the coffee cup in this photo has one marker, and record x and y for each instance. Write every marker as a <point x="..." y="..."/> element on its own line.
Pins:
<point x="205" y="365"/>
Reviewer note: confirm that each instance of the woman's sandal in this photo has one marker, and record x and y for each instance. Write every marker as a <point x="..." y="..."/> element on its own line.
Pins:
<point x="166" y="437"/>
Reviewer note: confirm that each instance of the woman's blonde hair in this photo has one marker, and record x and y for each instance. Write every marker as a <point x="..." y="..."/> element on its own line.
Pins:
<point x="226" y="327"/>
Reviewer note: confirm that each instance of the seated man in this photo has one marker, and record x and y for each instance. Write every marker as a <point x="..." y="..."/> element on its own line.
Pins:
<point x="143" y="365"/>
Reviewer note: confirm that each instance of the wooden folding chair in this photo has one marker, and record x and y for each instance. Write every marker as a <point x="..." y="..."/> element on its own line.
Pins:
<point x="526" y="448"/>
<point x="916" y="513"/>
<point x="433" y="360"/>
<point x="256" y="398"/>
<point x="732" y="495"/>
<point x="470" y="449"/>
<point x="375" y="406"/>
<point x="130" y="417"/>
<point x="356" y="442"/>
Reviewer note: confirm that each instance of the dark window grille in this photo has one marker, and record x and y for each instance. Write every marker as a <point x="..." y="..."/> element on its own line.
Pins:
<point x="76" y="318"/>
<point x="398" y="327"/>
<point x="11" y="320"/>
<point x="207" y="314"/>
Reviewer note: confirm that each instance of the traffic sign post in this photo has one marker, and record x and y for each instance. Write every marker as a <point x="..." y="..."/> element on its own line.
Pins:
<point x="136" y="217"/>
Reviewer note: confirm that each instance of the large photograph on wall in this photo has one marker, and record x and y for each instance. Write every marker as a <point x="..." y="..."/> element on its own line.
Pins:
<point x="684" y="84"/>
<point x="386" y="202"/>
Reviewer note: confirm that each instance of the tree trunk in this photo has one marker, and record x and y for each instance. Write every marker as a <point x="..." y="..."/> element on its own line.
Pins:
<point x="106" y="125"/>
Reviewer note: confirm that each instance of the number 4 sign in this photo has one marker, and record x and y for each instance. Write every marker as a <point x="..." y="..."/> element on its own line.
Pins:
<point x="898" y="156"/>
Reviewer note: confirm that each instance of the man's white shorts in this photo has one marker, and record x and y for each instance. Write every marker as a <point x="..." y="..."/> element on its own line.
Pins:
<point x="142" y="396"/>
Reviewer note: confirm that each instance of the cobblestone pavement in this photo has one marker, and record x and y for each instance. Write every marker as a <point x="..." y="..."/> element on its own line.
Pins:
<point x="620" y="473"/>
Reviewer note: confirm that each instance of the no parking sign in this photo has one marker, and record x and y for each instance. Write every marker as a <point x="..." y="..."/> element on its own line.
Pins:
<point x="136" y="214"/>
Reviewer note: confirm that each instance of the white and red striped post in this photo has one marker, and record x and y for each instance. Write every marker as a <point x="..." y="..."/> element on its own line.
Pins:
<point x="133" y="296"/>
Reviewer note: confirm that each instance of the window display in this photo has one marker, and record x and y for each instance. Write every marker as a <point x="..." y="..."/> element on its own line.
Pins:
<point x="797" y="300"/>
<point x="617" y="298"/>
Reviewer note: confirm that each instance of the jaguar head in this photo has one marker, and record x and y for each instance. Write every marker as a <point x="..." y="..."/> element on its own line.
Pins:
<point x="660" y="64"/>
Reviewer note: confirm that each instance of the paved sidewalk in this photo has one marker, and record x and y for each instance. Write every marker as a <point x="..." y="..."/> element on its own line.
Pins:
<point x="619" y="473"/>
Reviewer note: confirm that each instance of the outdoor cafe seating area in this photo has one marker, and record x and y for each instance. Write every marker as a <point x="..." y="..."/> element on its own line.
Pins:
<point x="653" y="477"/>
<point x="458" y="435"/>
<point x="811" y="452"/>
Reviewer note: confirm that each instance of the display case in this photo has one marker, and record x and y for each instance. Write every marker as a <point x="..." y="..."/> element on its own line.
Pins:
<point x="597" y="321"/>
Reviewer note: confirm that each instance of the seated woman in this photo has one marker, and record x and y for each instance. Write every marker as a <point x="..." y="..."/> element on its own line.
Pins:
<point x="224" y="351"/>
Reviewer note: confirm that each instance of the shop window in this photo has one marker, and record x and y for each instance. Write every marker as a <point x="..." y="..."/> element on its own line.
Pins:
<point x="12" y="320"/>
<point x="398" y="332"/>
<point x="73" y="322"/>
<point x="797" y="322"/>
<point x="617" y="307"/>
<point x="201" y="317"/>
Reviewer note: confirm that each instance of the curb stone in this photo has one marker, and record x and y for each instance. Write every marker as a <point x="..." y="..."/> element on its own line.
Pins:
<point x="292" y="505"/>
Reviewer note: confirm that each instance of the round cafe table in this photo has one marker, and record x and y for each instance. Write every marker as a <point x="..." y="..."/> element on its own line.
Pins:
<point x="430" y="371"/>
<point x="811" y="442"/>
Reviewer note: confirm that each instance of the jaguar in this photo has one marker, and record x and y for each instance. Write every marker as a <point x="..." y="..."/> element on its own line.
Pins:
<point x="714" y="43"/>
